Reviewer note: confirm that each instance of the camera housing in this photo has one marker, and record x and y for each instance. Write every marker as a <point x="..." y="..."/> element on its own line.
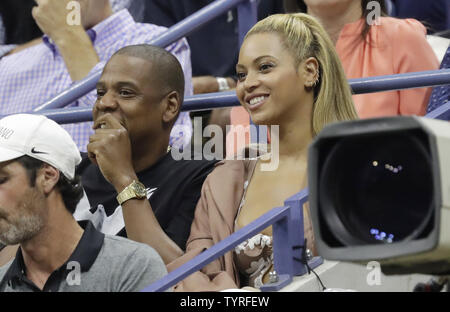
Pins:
<point x="379" y="189"/>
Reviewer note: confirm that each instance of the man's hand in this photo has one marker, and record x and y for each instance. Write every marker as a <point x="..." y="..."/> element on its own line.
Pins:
<point x="110" y="148"/>
<point x="72" y="41"/>
<point x="51" y="17"/>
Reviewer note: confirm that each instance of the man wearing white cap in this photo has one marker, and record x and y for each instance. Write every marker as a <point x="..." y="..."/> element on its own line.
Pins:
<point x="38" y="194"/>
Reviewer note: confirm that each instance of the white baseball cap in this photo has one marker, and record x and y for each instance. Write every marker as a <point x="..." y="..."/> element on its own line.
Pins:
<point x="40" y="138"/>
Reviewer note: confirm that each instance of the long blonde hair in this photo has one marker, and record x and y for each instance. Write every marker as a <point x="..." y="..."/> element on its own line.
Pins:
<point x="304" y="37"/>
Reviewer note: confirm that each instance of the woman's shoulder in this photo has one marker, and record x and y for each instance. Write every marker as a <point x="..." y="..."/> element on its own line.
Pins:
<point x="232" y="166"/>
<point x="395" y="27"/>
<point x="229" y="173"/>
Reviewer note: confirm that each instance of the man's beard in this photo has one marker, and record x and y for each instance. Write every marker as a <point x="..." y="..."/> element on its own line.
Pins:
<point x="30" y="221"/>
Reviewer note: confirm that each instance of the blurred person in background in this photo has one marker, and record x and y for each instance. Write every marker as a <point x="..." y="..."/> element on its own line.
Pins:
<point x="370" y="47"/>
<point x="435" y="15"/>
<point x="18" y="27"/>
<point x="68" y="52"/>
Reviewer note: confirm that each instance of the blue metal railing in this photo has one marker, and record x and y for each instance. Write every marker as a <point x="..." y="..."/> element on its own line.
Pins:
<point x="191" y="103"/>
<point x="226" y="99"/>
<point x="400" y="81"/>
<point x="174" y="33"/>
<point x="288" y="246"/>
<point x="219" y="249"/>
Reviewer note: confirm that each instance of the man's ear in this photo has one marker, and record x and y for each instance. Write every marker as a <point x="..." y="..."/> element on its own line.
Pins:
<point x="171" y="107"/>
<point x="47" y="178"/>
<point x="310" y="70"/>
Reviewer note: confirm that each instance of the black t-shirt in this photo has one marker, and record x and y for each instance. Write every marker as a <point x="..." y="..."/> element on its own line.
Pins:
<point x="173" y="189"/>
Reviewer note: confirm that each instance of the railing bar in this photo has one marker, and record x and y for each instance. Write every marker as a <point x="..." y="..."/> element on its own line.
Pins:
<point x="373" y="84"/>
<point x="68" y="115"/>
<point x="226" y="99"/>
<point x="444" y="108"/>
<point x="196" y="21"/>
<point x="218" y="249"/>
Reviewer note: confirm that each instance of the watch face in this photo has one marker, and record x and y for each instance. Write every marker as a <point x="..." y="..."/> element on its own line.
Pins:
<point x="139" y="188"/>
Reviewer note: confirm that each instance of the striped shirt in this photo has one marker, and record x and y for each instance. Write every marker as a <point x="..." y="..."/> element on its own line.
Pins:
<point x="34" y="75"/>
<point x="135" y="7"/>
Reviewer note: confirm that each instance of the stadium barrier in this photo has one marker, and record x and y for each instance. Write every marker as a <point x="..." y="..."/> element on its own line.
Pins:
<point x="228" y="98"/>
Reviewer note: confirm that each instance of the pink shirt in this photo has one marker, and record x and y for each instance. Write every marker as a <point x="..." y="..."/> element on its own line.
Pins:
<point x="396" y="46"/>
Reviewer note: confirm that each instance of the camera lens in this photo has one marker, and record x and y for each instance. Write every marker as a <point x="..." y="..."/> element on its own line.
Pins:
<point x="385" y="188"/>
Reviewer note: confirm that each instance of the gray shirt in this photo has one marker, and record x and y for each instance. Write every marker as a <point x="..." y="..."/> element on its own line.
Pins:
<point x="99" y="263"/>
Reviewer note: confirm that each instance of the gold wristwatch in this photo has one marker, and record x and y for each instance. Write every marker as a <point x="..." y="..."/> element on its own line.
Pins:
<point x="135" y="190"/>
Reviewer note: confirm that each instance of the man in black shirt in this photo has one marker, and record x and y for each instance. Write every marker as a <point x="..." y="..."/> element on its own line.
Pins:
<point x="173" y="189"/>
<point x="140" y="94"/>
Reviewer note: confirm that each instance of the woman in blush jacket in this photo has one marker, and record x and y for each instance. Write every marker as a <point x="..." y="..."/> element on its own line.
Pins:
<point x="288" y="75"/>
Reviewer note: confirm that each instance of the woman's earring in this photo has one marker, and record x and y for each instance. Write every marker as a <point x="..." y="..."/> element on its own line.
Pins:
<point x="317" y="80"/>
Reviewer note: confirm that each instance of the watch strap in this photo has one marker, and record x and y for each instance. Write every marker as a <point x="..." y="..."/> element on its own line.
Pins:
<point x="134" y="190"/>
